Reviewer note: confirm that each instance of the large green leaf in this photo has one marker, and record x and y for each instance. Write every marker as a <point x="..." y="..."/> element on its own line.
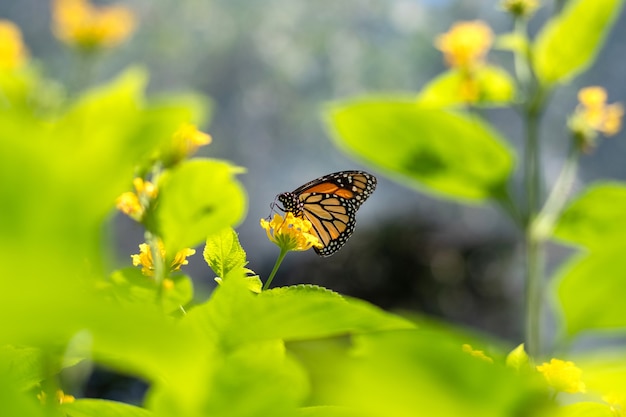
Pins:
<point x="198" y="198"/>
<point x="595" y="219"/>
<point x="569" y="43"/>
<point x="103" y="408"/>
<point x="450" y="154"/>
<point x="235" y="316"/>
<point x="415" y="372"/>
<point x="587" y="289"/>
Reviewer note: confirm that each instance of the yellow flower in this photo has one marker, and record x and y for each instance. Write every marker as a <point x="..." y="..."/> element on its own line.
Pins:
<point x="78" y="23"/>
<point x="290" y="233"/>
<point x="135" y="204"/>
<point x="476" y="353"/>
<point x="601" y="117"/>
<point x="563" y="376"/>
<point x="13" y="53"/>
<point x="466" y="44"/>
<point x="145" y="259"/>
<point x="521" y="8"/>
<point x="185" y="142"/>
<point x="594" y="116"/>
<point x="61" y="397"/>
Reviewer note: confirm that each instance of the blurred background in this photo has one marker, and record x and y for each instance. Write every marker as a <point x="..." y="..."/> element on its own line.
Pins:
<point x="270" y="67"/>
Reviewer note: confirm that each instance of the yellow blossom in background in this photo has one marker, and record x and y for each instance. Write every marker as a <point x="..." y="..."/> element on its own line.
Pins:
<point x="563" y="376"/>
<point x="290" y="233"/>
<point x="61" y="397"/>
<point x="601" y="117"/>
<point x="145" y="259"/>
<point x="13" y="52"/>
<point x="185" y="142"/>
<point x="476" y="353"/>
<point x="79" y="23"/>
<point x="134" y="204"/>
<point x="521" y="8"/>
<point x="466" y="44"/>
<point x="593" y="115"/>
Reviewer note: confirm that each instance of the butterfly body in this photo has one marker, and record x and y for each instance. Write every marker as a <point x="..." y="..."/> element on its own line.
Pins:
<point x="330" y="203"/>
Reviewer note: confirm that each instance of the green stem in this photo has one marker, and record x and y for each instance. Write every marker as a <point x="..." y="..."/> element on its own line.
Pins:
<point x="159" y="265"/>
<point x="281" y="256"/>
<point x="534" y="247"/>
<point x="544" y="223"/>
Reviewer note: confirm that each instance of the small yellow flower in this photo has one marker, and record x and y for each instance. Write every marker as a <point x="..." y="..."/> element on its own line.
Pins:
<point x="290" y="233"/>
<point x="563" y="376"/>
<point x="185" y="142"/>
<point x="135" y="204"/>
<point x="476" y="353"/>
<point x="128" y="203"/>
<point x="145" y="259"/>
<point x="63" y="398"/>
<point x="80" y="24"/>
<point x="13" y="53"/>
<point x="593" y="116"/>
<point x="466" y="44"/>
<point x="521" y="8"/>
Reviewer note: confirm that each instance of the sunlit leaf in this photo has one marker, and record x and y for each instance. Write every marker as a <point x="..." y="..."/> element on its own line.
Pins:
<point x="587" y="288"/>
<point x="197" y="199"/>
<point x="595" y="219"/>
<point x="585" y="409"/>
<point x="447" y="153"/>
<point x="569" y="43"/>
<point x="103" y="408"/>
<point x="223" y="252"/>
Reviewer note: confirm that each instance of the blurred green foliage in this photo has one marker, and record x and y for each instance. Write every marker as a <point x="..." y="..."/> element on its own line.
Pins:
<point x="300" y="350"/>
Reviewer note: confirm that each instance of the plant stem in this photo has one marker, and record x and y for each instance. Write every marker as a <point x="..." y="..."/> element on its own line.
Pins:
<point x="544" y="223"/>
<point x="534" y="247"/>
<point x="281" y="256"/>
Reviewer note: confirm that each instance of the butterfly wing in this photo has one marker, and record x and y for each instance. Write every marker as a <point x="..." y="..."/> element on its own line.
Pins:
<point x="330" y="203"/>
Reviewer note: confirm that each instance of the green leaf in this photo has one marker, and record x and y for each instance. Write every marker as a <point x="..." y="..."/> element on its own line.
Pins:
<point x="223" y="252"/>
<point x="518" y="358"/>
<point x="447" y="153"/>
<point x="595" y="219"/>
<point x="197" y="199"/>
<point x="395" y="373"/>
<point x="494" y="86"/>
<point x="103" y="408"/>
<point x="258" y="379"/>
<point x="587" y="288"/>
<point x="130" y="285"/>
<point x="569" y="43"/>
<point x="235" y="316"/>
<point x="23" y="364"/>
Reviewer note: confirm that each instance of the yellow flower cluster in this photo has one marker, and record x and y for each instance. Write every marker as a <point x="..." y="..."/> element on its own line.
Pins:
<point x="185" y="142"/>
<point x="290" y="233"/>
<point x="146" y="261"/>
<point x="601" y="117"/>
<point x="134" y="204"/>
<point x="80" y="24"/>
<point x="563" y="376"/>
<point x="466" y="44"/>
<point x="476" y="353"/>
<point x="61" y="397"/>
<point x="13" y="52"/>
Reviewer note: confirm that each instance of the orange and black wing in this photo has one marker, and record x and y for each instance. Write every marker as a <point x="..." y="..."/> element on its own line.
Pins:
<point x="330" y="203"/>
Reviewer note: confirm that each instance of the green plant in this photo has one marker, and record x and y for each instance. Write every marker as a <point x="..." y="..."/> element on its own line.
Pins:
<point x="300" y="350"/>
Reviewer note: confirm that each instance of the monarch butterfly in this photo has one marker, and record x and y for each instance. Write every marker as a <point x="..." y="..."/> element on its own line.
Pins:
<point x="330" y="203"/>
